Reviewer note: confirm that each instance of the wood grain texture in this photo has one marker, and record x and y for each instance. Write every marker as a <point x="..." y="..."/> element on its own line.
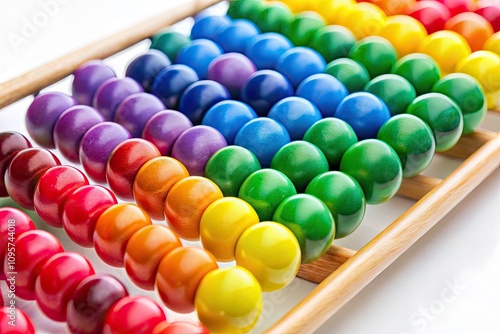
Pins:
<point x="322" y="268"/>
<point x="468" y="144"/>
<point x="417" y="187"/>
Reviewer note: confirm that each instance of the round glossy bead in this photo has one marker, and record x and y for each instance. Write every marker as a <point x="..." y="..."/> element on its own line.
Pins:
<point x="324" y="91"/>
<point x="343" y="196"/>
<point x="310" y="221"/>
<point x="468" y="94"/>
<point x="264" y="50"/>
<point x="11" y="143"/>
<point x="209" y="27"/>
<point x="275" y="17"/>
<point x="153" y="183"/>
<point x="70" y="128"/>
<point x="396" y="92"/>
<point x="413" y="141"/>
<point x="222" y="224"/>
<point x="443" y="116"/>
<point x="198" y="54"/>
<point x="333" y="42"/>
<point x="91" y="301"/>
<point x="58" y="279"/>
<point x="420" y="70"/>
<point x="114" y="228"/>
<point x="333" y="10"/>
<point x="23" y="173"/>
<point x="484" y="66"/>
<point x="171" y="82"/>
<point x="391" y="7"/>
<point x="23" y="324"/>
<point x="302" y="28"/>
<point x="364" y="19"/>
<point x="473" y="27"/>
<point x="457" y="6"/>
<point x="352" y="74"/>
<point x="215" y="297"/>
<point x="179" y="274"/>
<point x="447" y="48"/>
<point x="42" y="116"/>
<point x="229" y="167"/>
<point x="186" y="202"/>
<point x="144" y="252"/>
<point x="81" y="211"/>
<point x="264" y="190"/>
<point x="237" y="35"/>
<point x="124" y="163"/>
<point x="170" y="43"/>
<point x="245" y="9"/>
<point x="298" y="63"/>
<point x="263" y="137"/>
<point x="96" y="146"/>
<point x="263" y="89"/>
<point x="111" y="93"/>
<point x="133" y="314"/>
<point x="405" y="33"/>
<point x="180" y="327"/>
<point x="432" y="14"/>
<point x="144" y="68"/>
<point x="376" y="54"/>
<point x="53" y="189"/>
<point x="231" y="70"/>
<point x="490" y="12"/>
<point x="87" y="78"/>
<point x="493" y="43"/>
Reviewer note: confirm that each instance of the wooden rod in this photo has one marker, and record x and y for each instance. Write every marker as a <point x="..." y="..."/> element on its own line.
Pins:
<point x="418" y="186"/>
<point x="320" y="269"/>
<point x="48" y="74"/>
<point x="336" y="290"/>
<point x="469" y="144"/>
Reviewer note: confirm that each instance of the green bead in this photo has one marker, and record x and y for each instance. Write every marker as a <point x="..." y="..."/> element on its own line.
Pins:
<point x="442" y="115"/>
<point x="377" y="168"/>
<point x="274" y="18"/>
<point x="394" y="90"/>
<point x="264" y="190"/>
<point x="376" y="54"/>
<point x="344" y="197"/>
<point x="245" y="9"/>
<point x="301" y="161"/>
<point x="420" y="70"/>
<point x="229" y="167"/>
<point x="302" y="28"/>
<point x="310" y="221"/>
<point x="352" y="74"/>
<point x="170" y="42"/>
<point x="333" y="137"/>
<point x="413" y="141"/>
<point x="333" y="42"/>
<point x="468" y="94"/>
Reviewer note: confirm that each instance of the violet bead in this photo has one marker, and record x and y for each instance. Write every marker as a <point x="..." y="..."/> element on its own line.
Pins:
<point x="195" y="146"/>
<point x="164" y="128"/>
<point x="96" y="146"/>
<point x="231" y="70"/>
<point x="42" y="116"/>
<point x="70" y="128"/>
<point x="144" y="68"/>
<point x="88" y="78"/>
<point x="111" y="93"/>
<point x="136" y="110"/>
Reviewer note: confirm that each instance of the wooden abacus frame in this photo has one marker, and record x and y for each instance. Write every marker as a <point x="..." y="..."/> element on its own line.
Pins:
<point x="341" y="272"/>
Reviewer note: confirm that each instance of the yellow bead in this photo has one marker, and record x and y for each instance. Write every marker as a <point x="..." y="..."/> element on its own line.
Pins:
<point x="331" y="9"/>
<point x="222" y="224"/>
<point x="493" y="99"/>
<point x="365" y="19"/>
<point x="229" y="300"/>
<point x="271" y="253"/>
<point x="405" y="33"/>
<point x="485" y="67"/>
<point x="493" y="43"/>
<point x="298" y="6"/>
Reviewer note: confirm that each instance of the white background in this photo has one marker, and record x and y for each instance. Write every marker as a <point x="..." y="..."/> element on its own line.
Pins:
<point x="412" y="296"/>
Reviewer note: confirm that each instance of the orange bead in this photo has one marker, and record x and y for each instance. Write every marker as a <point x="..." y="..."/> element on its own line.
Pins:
<point x="405" y="33"/>
<point x="473" y="27"/>
<point x="179" y="274"/>
<point x="394" y="7"/>
<point x="153" y="183"/>
<point x="186" y="202"/>
<point x="144" y="251"/>
<point x="113" y="230"/>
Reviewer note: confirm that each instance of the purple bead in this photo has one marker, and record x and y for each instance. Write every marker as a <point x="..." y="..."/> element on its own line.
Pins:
<point x="88" y="78"/>
<point x="42" y="116"/>
<point x="136" y="110"/>
<point x="70" y="128"/>
<point x="164" y="128"/>
<point x="144" y="68"/>
<point x="111" y="93"/>
<point x="96" y="146"/>
<point x="231" y="70"/>
<point x="195" y="146"/>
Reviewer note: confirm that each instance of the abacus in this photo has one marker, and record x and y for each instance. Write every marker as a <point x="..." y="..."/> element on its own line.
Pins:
<point x="341" y="272"/>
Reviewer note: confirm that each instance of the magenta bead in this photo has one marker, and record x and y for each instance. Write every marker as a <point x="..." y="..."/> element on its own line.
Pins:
<point x="88" y="78"/>
<point x="195" y="146"/>
<point x="11" y="143"/>
<point x="111" y="93"/>
<point x="136" y="110"/>
<point x="42" y="116"/>
<point x="231" y="70"/>
<point x="164" y="128"/>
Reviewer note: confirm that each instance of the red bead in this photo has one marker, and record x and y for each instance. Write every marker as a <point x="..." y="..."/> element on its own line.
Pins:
<point x="458" y="6"/>
<point x="490" y="10"/>
<point x="23" y="174"/>
<point x="58" y="279"/>
<point x="53" y="189"/>
<point x="10" y="144"/>
<point x="432" y="14"/>
<point x="33" y="249"/>
<point x="134" y="314"/>
<point x="124" y="163"/>
<point x="14" y="321"/>
<point x="180" y="327"/>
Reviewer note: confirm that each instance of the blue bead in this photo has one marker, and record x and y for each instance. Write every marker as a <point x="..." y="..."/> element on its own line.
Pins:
<point x="265" y="49"/>
<point x="201" y="96"/>
<point x="198" y="54"/>
<point x="325" y="91"/>
<point x="263" y="89"/>
<point x="299" y="63"/>
<point x="144" y="68"/>
<point x="228" y="117"/>
<point x="171" y="82"/>
<point x="364" y="112"/>
<point x="296" y="114"/>
<point x="263" y="137"/>
<point x="237" y="36"/>
<point x="210" y="27"/>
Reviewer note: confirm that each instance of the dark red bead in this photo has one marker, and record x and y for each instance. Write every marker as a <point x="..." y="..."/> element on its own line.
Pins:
<point x="10" y="144"/>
